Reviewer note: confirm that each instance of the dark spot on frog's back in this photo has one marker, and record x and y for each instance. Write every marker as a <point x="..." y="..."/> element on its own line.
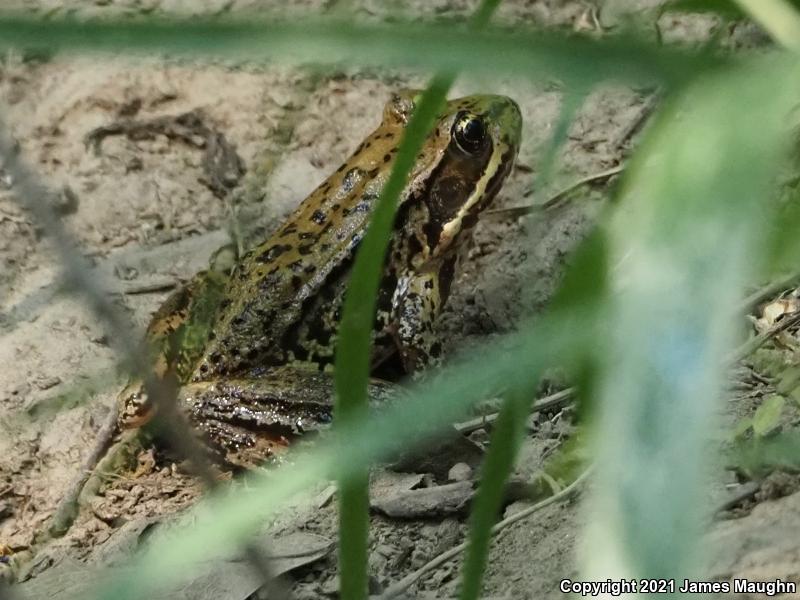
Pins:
<point x="273" y="252"/>
<point x="355" y="240"/>
<point x="318" y="217"/>
<point x="270" y="280"/>
<point x="351" y="179"/>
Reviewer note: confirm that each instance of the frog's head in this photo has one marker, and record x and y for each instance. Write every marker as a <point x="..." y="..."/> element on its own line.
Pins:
<point x="463" y="163"/>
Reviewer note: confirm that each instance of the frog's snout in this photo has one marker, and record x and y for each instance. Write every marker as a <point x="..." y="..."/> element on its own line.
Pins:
<point x="508" y="116"/>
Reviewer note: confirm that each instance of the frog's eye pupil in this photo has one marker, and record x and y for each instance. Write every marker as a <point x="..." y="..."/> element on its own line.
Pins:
<point x="469" y="132"/>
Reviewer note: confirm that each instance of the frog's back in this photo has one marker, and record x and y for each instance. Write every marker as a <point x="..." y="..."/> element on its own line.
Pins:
<point x="295" y="276"/>
<point x="283" y="298"/>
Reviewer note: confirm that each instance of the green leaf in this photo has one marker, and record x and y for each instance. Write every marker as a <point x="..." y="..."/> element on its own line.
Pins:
<point x="789" y="380"/>
<point x="762" y="455"/>
<point x="741" y="428"/>
<point x="768" y="415"/>
<point x="769" y="361"/>
<point x="783" y="243"/>
<point x="506" y="439"/>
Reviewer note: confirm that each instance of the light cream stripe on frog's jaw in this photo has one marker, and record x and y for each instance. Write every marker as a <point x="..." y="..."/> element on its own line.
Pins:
<point x="504" y="124"/>
<point x="453" y="227"/>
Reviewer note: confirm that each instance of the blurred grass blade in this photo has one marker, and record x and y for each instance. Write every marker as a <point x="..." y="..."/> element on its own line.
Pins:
<point x="687" y="235"/>
<point x="506" y="439"/>
<point x="588" y="270"/>
<point x="777" y="17"/>
<point x="438" y="47"/>
<point x="358" y="315"/>
<point x="355" y="330"/>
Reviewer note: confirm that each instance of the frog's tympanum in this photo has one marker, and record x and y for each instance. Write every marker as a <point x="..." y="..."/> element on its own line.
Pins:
<point x="253" y="349"/>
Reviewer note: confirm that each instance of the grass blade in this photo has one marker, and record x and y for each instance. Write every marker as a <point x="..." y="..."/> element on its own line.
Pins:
<point x="358" y="315"/>
<point x="777" y="17"/>
<point x="438" y="47"/>
<point x="355" y="330"/>
<point x="686" y="238"/>
<point x="506" y="440"/>
<point x="583" y="290"/>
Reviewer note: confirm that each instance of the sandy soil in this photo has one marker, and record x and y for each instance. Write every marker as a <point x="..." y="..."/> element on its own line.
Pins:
<point x="146" y="218"/>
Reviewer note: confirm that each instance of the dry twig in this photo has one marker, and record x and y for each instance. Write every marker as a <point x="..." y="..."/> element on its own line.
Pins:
<point x="768" y="291"/>
<point x="409" y="580"/>
<point x="556" y="400"/>
<point x="520" y="211"/>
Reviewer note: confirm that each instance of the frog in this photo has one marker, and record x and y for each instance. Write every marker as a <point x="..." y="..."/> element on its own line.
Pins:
<point x="252" y="348"/>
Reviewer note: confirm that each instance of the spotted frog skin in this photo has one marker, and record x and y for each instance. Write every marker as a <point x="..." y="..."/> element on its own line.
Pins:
<point x="253" y="349"/>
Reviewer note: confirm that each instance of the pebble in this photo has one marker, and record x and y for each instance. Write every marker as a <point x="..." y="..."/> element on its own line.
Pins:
<point x="459" y="472"/>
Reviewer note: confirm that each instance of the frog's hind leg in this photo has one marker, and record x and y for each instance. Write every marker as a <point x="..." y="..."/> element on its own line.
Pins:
<point x="245" y="422"/>
<point x="175" y="336"/>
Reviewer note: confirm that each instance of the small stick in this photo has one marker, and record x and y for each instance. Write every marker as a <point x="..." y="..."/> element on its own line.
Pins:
<point x="67" y="509"/>
<point x="552" y="401"/>
<point x="744" y="491"/>
<point x="407" y="581"/>
<point x="562" y="397"/>
<point x="768" y="291"/>
<point x="520" y="211"/>
<point x="146" y="287"/>
<point x="638" y="122"/>
<point x="755" y="343"/>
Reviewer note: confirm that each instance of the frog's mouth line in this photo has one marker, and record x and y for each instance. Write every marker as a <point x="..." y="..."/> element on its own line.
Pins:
<point x="485" y="191"/>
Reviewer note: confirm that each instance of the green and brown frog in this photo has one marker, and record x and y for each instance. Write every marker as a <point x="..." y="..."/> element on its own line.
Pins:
<point x="253" y="349"/>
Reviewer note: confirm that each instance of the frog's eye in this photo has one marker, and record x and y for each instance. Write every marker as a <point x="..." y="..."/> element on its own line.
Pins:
<point x="469" y="132"/>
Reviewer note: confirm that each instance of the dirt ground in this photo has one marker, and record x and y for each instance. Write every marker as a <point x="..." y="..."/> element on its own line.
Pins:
<point x="147" y="219"/>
